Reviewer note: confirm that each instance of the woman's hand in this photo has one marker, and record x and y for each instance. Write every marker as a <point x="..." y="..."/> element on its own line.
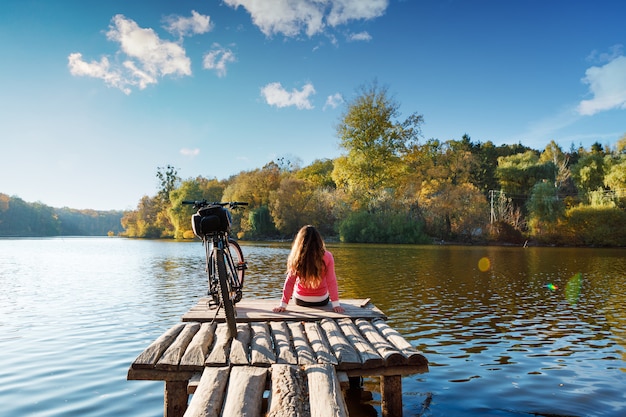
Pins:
<point x="339" y="309"/>
<point x="279" y="309"/>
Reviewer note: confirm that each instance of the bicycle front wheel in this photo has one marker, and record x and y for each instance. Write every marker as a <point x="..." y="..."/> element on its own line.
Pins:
<point x="227" y="303"/>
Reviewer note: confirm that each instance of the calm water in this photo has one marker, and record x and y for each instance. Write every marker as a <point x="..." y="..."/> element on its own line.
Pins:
<point x="512" y="340"/>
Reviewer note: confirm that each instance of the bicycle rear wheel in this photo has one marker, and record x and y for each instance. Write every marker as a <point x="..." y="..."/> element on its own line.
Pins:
<point x="227" y="303"/>
<point x="236" y="269"/>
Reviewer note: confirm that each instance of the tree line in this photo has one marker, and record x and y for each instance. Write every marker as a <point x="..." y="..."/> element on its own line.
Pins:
<point x="20" y="218"/>
<point x="391" y="186"/>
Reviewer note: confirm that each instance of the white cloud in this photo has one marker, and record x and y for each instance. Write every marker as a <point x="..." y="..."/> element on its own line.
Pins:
<point x="147" y="58"/>
<point x="291" y="17"/>
<point x="217" y="58"/>
<point x="190" y="152"/>
<point x="361" y="36"/>
<point x="276" y="95"/>
<point x="607" y="84"/>
<point x="333" y="101"/>
<point x="187" y="26"/>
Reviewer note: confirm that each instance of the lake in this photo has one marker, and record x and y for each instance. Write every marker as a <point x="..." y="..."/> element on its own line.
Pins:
<point x="508" y="331"/>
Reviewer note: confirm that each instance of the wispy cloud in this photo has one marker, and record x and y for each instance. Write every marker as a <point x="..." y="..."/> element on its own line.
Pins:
<point x="292" y="17"/>
<point x="607" y="84"/>
<point x="145" y="56"/>
<point x="276" y="95"/>
<point x="333" y="101"/>
<point x="361" y="36"/>
<point x="217" y="59"/>
<point x="181" y="26"/>
<point x="190" y="152"/>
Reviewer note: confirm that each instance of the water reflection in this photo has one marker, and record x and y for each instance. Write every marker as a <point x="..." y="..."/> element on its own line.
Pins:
<point x="500" y="340"/>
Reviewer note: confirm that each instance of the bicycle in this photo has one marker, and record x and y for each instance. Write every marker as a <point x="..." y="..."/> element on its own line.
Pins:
<point x="225" y="264"/>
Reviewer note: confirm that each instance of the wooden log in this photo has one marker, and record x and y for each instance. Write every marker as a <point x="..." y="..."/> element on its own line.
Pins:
<point x="174" y="353"/>
<point x="288" y="393"/>
<point x="209" y="395"/>
<point x="390" y="354"/>
<point x="325" y="396"/>
<point x="239" y="348"/>
<point x="149" y="357"/>
<point x="346" y="355"/>
<point x="219" y="353"/>
<point x="413" y="355"/>
<point x="175" y="398"/>
<point x="369" y="356"/>
<point x="304" y="353"/>
<point x="261" y="351"/>
<point x="318" y="343"/>
<point x="282" y="344"/>
<point x="244" y="396"/>
<point x="391" y="396"/>
<point x="197" y="351"/>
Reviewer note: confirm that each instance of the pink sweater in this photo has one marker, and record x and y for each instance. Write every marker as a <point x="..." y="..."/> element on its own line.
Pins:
<point x="328" y="286"/>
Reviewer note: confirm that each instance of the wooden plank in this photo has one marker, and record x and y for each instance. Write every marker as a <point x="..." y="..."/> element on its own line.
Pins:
<point x="219" y="353"/>
<point x="318" y="343"/>
<point x="172" y="356"/>
<point x="282" y="344"/>
<point x="258" y="310"/>
<point x="414" y="356"/>
<point x="149" y="357"/>
<point x="369" y="356"/>
<point x="345" y="353"/>
<point x="325" y="396"/>
<point x="198" y="349"/>
<point x="261" y="351"/>
<point x="403" y="370"/>
<point x="304" y="353"/>
<point x="209" y="395"/>
<point x="244" y="396"/>
<point x="239" y="348"/>
<point x="288" y="393"/>
<point x="390" y="354"/>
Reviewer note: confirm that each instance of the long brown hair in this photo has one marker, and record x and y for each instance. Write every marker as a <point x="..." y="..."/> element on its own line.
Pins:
<point x="306" y="259"/>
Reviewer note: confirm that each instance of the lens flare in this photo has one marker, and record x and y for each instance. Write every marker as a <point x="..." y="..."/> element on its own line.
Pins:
<point x="484" y="264"/>
<point x="552" y="287"/>
<point x="572" y="289"/>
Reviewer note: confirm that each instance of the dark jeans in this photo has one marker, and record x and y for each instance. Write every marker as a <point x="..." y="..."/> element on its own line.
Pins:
<point x="314" y="304"/>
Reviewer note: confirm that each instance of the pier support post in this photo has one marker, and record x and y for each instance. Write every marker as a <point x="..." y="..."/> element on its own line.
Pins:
<point x="176" y="398"/>
<point x="391" y="393"/>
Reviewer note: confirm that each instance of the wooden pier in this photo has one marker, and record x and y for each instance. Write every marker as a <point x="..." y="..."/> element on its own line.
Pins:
<point x="277" y="361"/>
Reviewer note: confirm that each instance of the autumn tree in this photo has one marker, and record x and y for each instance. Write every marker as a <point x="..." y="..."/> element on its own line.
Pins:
<point x="375" y="140"/>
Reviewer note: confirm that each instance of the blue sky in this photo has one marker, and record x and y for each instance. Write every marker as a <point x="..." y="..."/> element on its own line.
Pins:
<point x="95" y="95"/>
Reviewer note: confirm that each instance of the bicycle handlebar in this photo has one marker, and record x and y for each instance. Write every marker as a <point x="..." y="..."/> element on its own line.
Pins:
<point x="205" y="203"/>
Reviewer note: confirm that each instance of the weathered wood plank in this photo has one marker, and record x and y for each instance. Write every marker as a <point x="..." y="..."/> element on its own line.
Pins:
<point x="149" y="357"/>
<point x="221" y="347"/>
<point x="172" y="356"/>
<point x="414" y="356"/>
<point x="325" y="396"/>
<point x="244" y="396"/>
<point x="258" y="310"/>
<point x="209" y="394"/>
<point x="175" y="403"/>
<point x="288" y="393"/>
<point x="261" y="351"/>
<point x="390" y="354"/>
<point x="304" y="353"/>
<point x="239" y="347"/>
<point x="197" y="351"/>
<point x="369" y="356"/>
<point x="282" y="344"/>
<point x="318" y="343"/>
<point x="346" y="355"/>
